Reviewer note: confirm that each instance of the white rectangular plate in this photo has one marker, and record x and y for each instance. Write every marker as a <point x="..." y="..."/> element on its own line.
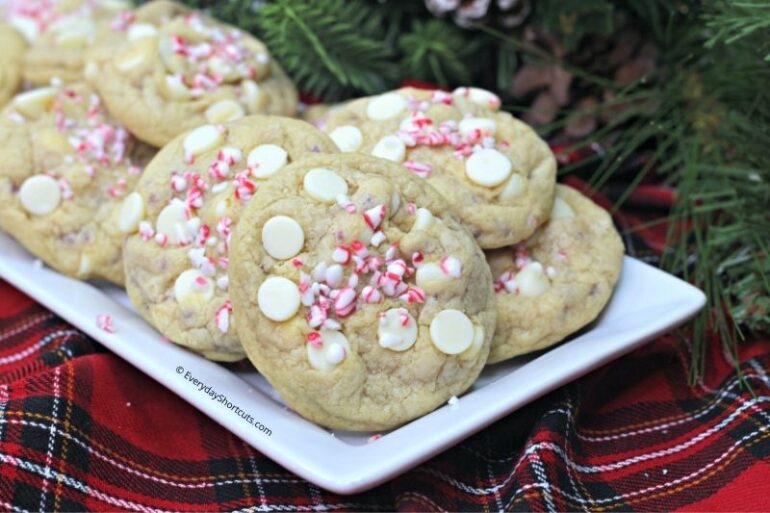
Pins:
<point x="646" y="303"/>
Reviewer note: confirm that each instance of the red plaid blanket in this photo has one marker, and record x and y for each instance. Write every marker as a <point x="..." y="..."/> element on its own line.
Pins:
<point x="82" y="430"/>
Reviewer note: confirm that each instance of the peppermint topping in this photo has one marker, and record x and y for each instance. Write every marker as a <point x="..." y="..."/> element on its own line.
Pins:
<point x="217" y="57"/>
<point x="105" y="323"/>
<point x="222" y="316"/>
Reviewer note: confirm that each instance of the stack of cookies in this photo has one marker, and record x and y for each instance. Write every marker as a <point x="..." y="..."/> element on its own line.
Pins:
<point x="369" y="268"/>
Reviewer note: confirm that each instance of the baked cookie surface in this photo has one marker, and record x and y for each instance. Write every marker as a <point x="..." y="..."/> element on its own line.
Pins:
<point x="558" y="280"/>
<point x="170" y="69"/>
<point x="184" y="209"/>
<point x="11" y="62"/>
<point x="493" y="169"/>
<point x="67" y="165"/>
<point x="59" y="32"/>
<point x="358" y="294"/>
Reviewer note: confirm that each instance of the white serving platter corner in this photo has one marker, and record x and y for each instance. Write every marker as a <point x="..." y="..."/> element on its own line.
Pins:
<point x="646" y="303"/>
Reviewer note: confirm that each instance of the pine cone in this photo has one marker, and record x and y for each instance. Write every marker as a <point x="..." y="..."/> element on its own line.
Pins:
<point x="508" y="13"/>
<point x="624" y="56"/>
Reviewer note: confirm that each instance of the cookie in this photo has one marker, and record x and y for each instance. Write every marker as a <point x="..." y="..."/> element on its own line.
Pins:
<point x="67" y="167"/>
<point x="358" y="294"/>
<point x="58" y="33"/>
<point x="184" y="209"/>
<point x="558" y="281"/>
<point x="494" y="170"/>
<point x="168" y="70"/>
<point x="11" y="62"/>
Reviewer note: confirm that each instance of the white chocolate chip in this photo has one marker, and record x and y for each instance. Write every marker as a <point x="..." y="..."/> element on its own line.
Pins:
<point x="486" y="126"/>
<point x="26" y="26"/>
<point x="397" y="330"/>
<point x="266" y="160"/>
<point x="514" y="188"/>
<point x="192" y="288"/>
<point x="478" y="342"/>
<point x="282" y="237"/>
<point x="224" y="111"/>
<point x="423" y="219"/>
<point x="390" y="147"/>
<point x="35" y="102"/>
<point x="531" y="280"/>
<point x="131" y="213"/>
<point x="75" y="33"/>
<point x="385" y="106"/>
<point x="430" y="277"/>
<point x="202" y="139"/>
<point x="91" y="70"/>
<point x="252" y="95"/>
<point x="175" y="88"/>
<point x="451" y="331"/>
<point x="172" y="221"/>
<point x="139" y="53"/>
<point x="85" y="265"/>
<point x="561" y="209"/>
<point x="278" y="298"/>
<point x="333" y="351"/>
<point x="478" y="96"/>
<point x="347" y="138"/>
<point x="324" y="185"/>
<point x="115" y="5"/>
<point x="488" y="167"/>
<point x="40" y="195"/>
<point x="140" y="30"/>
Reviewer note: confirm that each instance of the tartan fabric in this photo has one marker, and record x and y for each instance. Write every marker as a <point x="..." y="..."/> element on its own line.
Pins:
<point x="82" y="430"/>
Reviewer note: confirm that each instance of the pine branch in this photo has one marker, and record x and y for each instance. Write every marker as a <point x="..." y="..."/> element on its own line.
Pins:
<point x="436" y="50"/>
<point x="330" y="48"/>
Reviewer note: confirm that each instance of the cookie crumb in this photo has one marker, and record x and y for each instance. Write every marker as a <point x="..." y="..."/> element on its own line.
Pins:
<point x="373" y="438"/>
<point x="454" y="402"/>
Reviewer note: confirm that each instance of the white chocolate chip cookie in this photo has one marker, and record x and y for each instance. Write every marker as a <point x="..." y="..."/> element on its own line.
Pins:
<point x="358" y="294"/>
<point x="494" y="170"/>
<point x="170" y="70"/>
<point x="557" y="281"/>
<point x="59" y="32"/>
<point x="67" y="169"/>
<point x="11" y="59"/>
<point x="181" y="217"/>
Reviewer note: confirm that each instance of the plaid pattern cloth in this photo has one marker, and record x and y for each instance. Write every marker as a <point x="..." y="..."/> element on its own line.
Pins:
<point x="82" y="430"/>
